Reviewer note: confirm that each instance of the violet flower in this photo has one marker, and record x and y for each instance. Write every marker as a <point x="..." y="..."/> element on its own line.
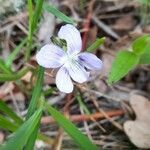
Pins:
<point x="73" y="64"/>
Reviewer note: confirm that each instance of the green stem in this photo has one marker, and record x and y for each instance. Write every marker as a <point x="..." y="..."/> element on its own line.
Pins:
<point x="14" y="76"/>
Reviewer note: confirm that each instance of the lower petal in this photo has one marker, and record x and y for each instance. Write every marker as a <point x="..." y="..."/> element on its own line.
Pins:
<point x="77" y="72"/>
<point x="90" y="61"/>
<point x="63" y="81"/>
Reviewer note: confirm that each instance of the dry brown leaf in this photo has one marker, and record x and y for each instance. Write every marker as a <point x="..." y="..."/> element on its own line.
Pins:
<point x="141" y="107"/>
<point x="138" y="131"/>
<point x="27" y="77"/>
<point x="5" y="89"/>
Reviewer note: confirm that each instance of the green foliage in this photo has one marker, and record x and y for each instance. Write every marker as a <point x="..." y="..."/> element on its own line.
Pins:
<point x="6" y="124"/>
<point x="145" y="58"/>
<point x="127" y="60"/>
<point x="78" y="137"/>
<point x="96" y="44"/>
<point x="34" y="16"/>
<point x="124" y="62"/>
<point x="13" y="76"/>
<point x="20" y="137"/>
<point x="146" y="2"/>
<point x="3" y="67"/>
<point x="58" y="14"/>
<point x="36" y="93"/>
<point x="9" y="112"/>
<point x="141" y="45"/>
<point x="33" y="106"/>
<point x="13" y="55"/>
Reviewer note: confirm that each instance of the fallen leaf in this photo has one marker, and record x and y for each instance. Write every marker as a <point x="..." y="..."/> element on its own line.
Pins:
<point x="141" y="107"/>
<point x="27" y="77"/>
<point x="138" y="130"/>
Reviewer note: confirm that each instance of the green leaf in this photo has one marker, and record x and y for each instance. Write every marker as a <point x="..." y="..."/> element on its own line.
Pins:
<point x="13" y="76"/>
<point x="145" y="2"/>
<point x="96" y="44"/>
<point x="123" y="63"/>
<point x="37" y="14"/>
<point x="20" y="137"/>
<point x="7" y="124"/>
<point x="79" y="138"/>
<point x="32" y="138"/>
<point x="30" y="11"/>
<point x="36" y="93"/>
<point x="3" y="67"/>
<point x="34" y="16"/>
<point x="33" y="106"/>
<point x="141" y="45"/>
<point x="145" y="58"/>
<point x="58" y="14"/>
<point x="81" y="103"/>
<point x="7" y="111"/>
<point x="13" y="55"/>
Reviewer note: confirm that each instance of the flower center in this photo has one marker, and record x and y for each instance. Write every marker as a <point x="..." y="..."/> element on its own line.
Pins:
<point x="68" y="59"/>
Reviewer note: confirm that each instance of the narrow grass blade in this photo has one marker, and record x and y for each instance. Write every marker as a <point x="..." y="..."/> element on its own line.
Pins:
<point x="58" y="14"/>
<point x="96" y="44"/>
<point x="33" y="21"/>
<point x="20" y="137"/>
<point x="13" y="55"/>
<point x="82" y="105"/>
<point x="69" y="127"/>
<point x="30" y="11"/>
<point x="32" y="138"/>
<point x="7" y="124"/>
<point x="37" y="14"/>
<point x="3" y="67"/>
<point x="7" y="111"/>
<point x="14" y="76"/>
<point x="36" y="93"/>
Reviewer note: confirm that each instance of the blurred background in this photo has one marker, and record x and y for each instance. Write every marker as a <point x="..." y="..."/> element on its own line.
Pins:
<point x="98" y="110"/>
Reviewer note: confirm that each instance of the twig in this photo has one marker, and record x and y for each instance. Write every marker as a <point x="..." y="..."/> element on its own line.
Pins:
<point x="106" y="116"/>
<point x="105" y="27"/>
<point x="86" y="24"/>
<point x="80" y="118"/>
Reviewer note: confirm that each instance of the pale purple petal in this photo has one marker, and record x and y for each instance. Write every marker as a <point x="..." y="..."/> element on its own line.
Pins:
<point x="72" y="37"/>
<point x="90" y="61"/>
<point x="63" y="81"/>
<point x="77" y="72"/>
<point x="50" y="56"/>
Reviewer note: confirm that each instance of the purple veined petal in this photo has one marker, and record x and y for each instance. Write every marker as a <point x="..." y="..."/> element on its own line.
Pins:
<point x="72" y="37"/>
<point x="63" y="81"/>
<point x="90" y="61"/>
<point x="50" y="56"/>
<point x="77" y="72"/>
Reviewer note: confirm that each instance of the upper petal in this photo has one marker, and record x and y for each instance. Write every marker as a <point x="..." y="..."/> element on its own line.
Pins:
<point x="72" y="37"/>
<point x="90" y="61"/>
<point x="77" y="72"/>
<point x="63" y="81"/>
<point x="50" y="56"/>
